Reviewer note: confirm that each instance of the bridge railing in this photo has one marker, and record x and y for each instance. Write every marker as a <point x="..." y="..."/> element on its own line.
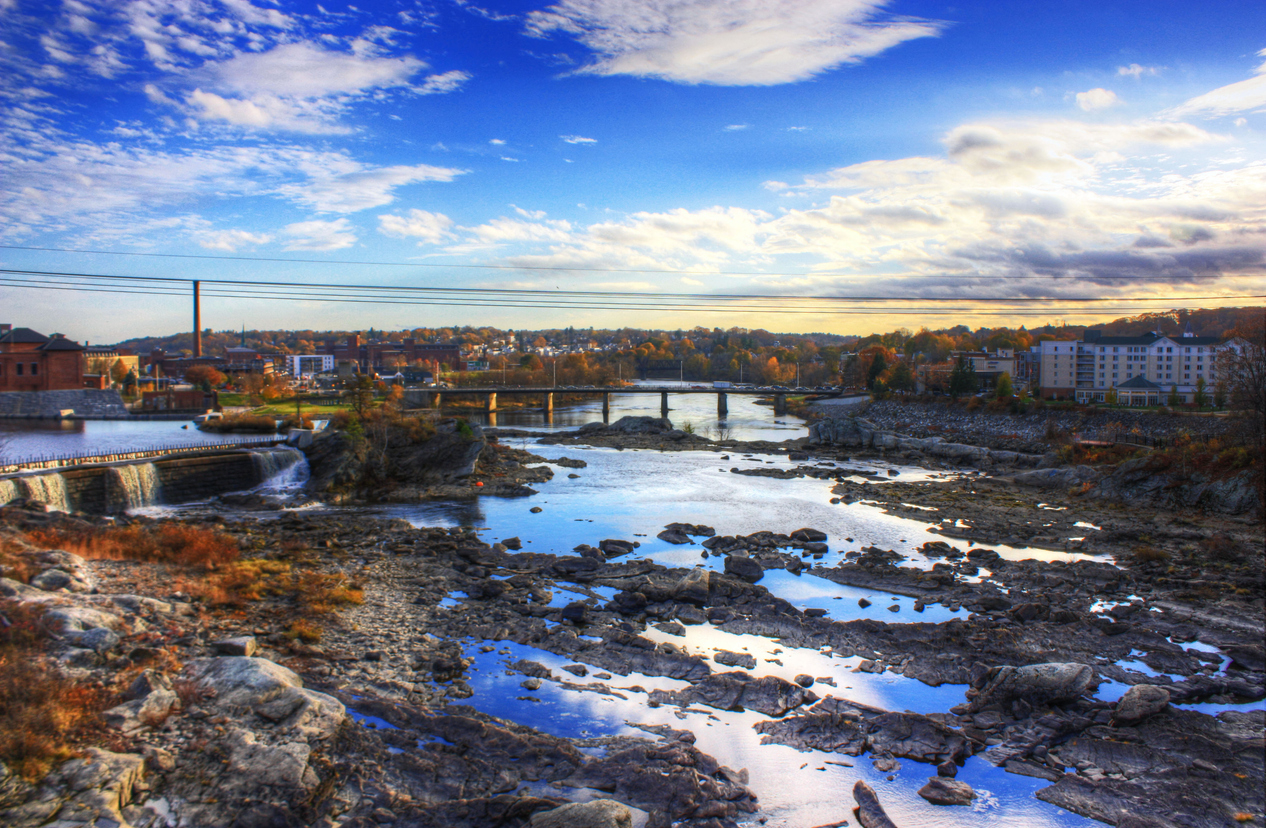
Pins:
<point x="58" y="461"/>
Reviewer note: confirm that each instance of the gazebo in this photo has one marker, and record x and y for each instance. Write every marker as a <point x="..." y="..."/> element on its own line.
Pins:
<point x="1139" y="391"/>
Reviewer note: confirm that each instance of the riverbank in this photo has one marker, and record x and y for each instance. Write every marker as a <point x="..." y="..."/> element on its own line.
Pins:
<point x="481" y="682"/>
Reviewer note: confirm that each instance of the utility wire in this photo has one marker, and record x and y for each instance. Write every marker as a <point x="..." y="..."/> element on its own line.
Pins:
<point x="555" y="295"/>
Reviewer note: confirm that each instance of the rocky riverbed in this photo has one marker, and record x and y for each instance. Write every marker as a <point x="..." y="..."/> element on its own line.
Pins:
<point x="1089" y="666"/>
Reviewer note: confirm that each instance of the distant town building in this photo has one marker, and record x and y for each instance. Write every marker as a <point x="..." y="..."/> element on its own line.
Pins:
<point x="383" y="356"/>
<point x="307" y="365"/>
<point x="30" y="361"/>
<point x="1141" y="370"/>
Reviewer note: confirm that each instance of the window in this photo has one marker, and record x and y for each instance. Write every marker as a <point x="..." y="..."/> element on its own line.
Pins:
<point x="35" y="368"/>
<point x="19" y="369"/>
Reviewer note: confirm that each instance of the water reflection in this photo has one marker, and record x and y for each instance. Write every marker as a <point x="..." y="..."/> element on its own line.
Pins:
<point x="794" y="788"/>
<point x="35" y="438"/>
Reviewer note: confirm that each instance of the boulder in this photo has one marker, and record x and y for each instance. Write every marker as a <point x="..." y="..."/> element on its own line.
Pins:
<point x="239" y="684"/>
<point x="283" y="766"/>
<point x="245" y="645"/>
<point x="640" y="425"/>
<point x="693" y="588"/>
<point x="744" y="568"/>
<point x="730" y="659"/>
<point x="576" y="612"/>
<point x="597" y="813"/>
<point x="70" y="619"/>
<point x="613" y="547"/>
<point x="808" y="535"/>
<point x="97" y="639"/>
<point x="1036" y="684"/>
<point x="941" y="790"/>
<point x="870" y="813"/>
<point x="674" y="536"/>
<point x="1140" y="702"/>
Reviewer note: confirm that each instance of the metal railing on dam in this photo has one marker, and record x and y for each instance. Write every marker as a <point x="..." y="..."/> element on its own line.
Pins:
<point x="60" y="461"/>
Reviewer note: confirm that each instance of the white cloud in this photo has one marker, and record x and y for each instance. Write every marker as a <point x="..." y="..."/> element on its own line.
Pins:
<point x="503" y="230"/>
<point x="444" y="82"/>
<point x="578" y="139"/>
<point x="427" y="227"/>
<point x="727" y="42"/>
<point x="302" y="70"/>
<point x="319" y="235"/>
<point x="263" y="112"/>
<point x="1093" y="100"/>
<point x="1136" y="71"/>
<point x="231" y="240"/>
<point x="497" y="142"/>
<point x="361" y="188"/>
<point x="1244" y="96"/>
<point x="736" y="127"/>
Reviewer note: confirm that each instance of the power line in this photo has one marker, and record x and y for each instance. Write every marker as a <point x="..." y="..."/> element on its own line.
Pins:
<point x="520" y="268"/>
<point x="1112" y="306"/>
<point x="554" y="296"/>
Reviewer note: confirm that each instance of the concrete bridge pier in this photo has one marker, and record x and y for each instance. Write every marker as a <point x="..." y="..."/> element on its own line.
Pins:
<point x="663" y="403"/>
<point x="722" y="406"/>
<point x="780" y="405"/>
<point x="437" y="400"/>
<point x="492" y="418"/>
<point x="606" y="408"/>
<point x="548" y="406"/>
<point x="491" y="404"/>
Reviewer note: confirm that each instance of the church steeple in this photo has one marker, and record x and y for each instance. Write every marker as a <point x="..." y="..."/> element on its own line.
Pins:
<point x="243" y="334"/>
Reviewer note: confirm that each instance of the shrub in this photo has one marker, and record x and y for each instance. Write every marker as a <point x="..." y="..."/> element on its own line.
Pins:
<point x="43" y="716"/>
<point x="304" y="630"/>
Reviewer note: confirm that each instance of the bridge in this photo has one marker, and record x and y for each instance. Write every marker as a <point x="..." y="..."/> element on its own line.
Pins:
<point x="433" y="397"/>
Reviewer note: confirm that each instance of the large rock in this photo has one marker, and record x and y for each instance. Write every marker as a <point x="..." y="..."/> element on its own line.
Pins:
<point x="641" y="425"/>
<point x="870" y="813"/>
<point x="1140" y="702"/>
<point x="238" y="684"/>
<point x="598" y="813"/>
<point x="693" y="588"/>
<point x="1059" y="478"/>
<point x="339" y="463"/>
<point x="744" y="568"/>
<point x="282" y="766"/>
<point x="770" y="695"/>
<point x="1036" y="684"/>
<point x="70" y="619"/>
<point x="942" y="791"/>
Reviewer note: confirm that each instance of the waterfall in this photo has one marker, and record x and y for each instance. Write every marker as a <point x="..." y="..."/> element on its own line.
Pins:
<point x="280" y="469"/>
<point x="49" y="489"/>
<point x="8" y="491"/>
<point x="132" y="486"/>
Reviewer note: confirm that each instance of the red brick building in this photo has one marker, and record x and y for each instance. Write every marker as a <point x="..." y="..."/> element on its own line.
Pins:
<point x="30" y="361"/>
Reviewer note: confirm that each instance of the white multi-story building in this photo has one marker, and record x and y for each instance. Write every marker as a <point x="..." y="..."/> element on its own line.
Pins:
<point x="1143" y="370"/>
<point x="306" y="365"/>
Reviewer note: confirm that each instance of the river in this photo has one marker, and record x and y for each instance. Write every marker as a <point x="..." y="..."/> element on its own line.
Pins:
<point x="632" y="495"/>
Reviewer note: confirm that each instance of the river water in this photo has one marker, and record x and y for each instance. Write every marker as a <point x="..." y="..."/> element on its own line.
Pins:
<point x="632" y="495"/>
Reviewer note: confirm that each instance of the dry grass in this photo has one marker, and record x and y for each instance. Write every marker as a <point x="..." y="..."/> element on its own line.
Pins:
<point x="173" y="543"/>
<point x="301" y="629"/>
<point x="43" y="716"/>
<point x="13" y="564"/>
<point x="1150" y="554"/>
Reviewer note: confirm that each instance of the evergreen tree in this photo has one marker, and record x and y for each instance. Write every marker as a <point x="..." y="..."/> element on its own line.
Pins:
<point x="963" y="378"/>
<point x="877" y="367"/>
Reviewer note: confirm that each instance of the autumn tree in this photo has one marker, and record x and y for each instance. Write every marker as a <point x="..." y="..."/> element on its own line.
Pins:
<point x="208" y="374"/>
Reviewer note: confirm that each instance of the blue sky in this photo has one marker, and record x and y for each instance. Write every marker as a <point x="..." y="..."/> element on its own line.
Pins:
<point x="808" y="147"/>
